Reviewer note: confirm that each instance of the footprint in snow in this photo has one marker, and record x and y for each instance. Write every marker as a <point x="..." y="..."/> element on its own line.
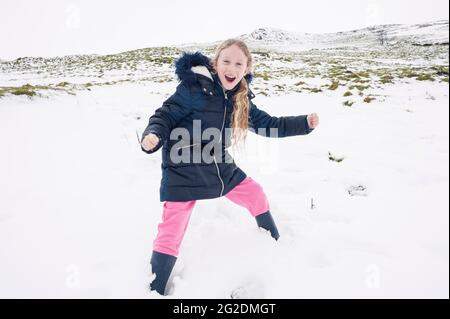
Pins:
<point x="357" y="190"/>
<point x="251" y="289"/>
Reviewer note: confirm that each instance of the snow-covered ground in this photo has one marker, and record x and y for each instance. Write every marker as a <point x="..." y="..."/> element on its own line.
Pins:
<point x="79" y="200"/>
<point x="80" y="206"/>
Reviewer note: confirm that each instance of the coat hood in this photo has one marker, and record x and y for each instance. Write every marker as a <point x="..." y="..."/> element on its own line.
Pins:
<point x="188" y="65"/>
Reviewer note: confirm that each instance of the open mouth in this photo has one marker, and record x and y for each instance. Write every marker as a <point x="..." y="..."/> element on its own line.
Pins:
<point x="230" y="79"/>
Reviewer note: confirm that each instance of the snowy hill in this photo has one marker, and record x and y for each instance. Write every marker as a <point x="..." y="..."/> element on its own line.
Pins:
<point x="429" y="33"/>
<point x="421" y="49"/>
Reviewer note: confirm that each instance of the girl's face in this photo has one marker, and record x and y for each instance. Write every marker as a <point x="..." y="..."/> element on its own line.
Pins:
<point x="231" y="66"/>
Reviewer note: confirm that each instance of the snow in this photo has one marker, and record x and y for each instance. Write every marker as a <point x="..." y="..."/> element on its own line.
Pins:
<point x="80" y="206"/>
<point x="80" y="201"/>
<point x="433" y="32"/>
<point x="436" y="32"/>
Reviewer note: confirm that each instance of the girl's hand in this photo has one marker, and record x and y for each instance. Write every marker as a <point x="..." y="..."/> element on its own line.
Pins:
<point x="149" y="142"/>
<point x="313" y="120"/>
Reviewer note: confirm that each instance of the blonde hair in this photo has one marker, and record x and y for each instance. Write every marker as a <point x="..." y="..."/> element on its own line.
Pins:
<point x="239" y="117"/>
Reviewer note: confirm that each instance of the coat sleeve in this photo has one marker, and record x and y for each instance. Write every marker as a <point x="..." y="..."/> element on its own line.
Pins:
<point x="168" y="115"/>
<point x="261" y="123"/>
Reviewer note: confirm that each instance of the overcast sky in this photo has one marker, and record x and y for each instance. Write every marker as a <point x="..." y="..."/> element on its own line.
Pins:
<point x="59" y="27"/>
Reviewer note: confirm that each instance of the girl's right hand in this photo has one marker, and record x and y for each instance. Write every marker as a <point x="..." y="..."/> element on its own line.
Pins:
<point x="149" y="142"/>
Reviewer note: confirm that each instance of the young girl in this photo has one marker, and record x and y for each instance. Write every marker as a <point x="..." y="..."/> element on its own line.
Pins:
<point x="212" y="97"/>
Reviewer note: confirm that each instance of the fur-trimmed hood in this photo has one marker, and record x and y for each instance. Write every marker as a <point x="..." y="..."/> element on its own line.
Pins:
<point x="189" y="65"/>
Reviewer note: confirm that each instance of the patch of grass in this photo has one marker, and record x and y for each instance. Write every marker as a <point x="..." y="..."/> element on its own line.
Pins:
<point x="363" y="74"/>
<point x="368" y="99"/>
<point x="425" y="77"/>
<point x="440" y="70"/>
<point x="408" y="73"/>
<point x="362" y="87"/>
<point x="334" y="85"/>
<point x="444" y="79"/>
<point x="161" y="59"/>
<point x="348" y="103"/>
<point x="300" y="83"/>
<point x="387" y="79"/>
<point x="162" y="79"/>
<point x="315" y="90"/>
<point x="262" y="75"/>
<point x="361" y="80"/>
<point x="358" y="75"/>
<point x="348" y="93"/>
<point x="311" y="74"/>
<point x="26" y="89"/>
<point x="31" y="90"/>
<point x="359" y="87"/>
<point x="338" y="72"/>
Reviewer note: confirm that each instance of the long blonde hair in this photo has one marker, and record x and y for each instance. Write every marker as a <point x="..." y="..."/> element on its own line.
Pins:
<point x="239" y="117"/>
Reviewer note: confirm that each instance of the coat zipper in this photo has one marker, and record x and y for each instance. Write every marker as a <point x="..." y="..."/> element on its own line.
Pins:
<point x="221" y="132"/>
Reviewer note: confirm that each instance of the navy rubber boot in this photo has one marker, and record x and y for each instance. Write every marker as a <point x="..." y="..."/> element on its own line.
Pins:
<point x="266" y="221"/>
<point x="162" y="265"/>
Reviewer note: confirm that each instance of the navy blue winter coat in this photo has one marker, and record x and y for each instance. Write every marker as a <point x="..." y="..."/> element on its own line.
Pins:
<point x="200" y="96"/>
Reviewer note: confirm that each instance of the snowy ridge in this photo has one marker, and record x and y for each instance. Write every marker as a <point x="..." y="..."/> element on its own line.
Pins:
<point x="428" y="33"/>
<point x="271" y="35"/>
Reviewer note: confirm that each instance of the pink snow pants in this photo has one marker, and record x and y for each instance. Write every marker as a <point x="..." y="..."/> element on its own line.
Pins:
<point x="175" y="219"/>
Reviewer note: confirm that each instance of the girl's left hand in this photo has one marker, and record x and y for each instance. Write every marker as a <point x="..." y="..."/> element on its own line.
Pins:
<point x="313" y="120"/>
